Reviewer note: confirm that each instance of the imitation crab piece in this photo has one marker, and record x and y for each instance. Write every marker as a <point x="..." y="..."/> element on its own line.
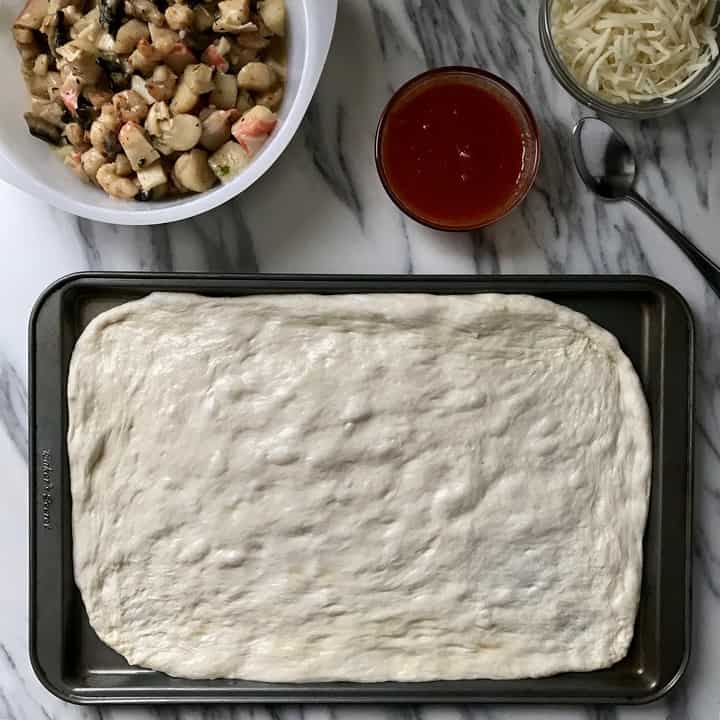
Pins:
<point x="70" y="93"/>
<point x="253" y="129"/>
<point x="213" y="57"/>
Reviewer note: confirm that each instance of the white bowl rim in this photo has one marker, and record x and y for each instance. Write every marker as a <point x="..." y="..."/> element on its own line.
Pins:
<point x="125" y="214"/>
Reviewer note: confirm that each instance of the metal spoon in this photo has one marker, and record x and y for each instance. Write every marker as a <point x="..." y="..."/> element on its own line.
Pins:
<point x="607" y="166"/>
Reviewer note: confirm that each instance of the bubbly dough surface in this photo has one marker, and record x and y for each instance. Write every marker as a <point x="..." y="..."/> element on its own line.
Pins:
<point x="365" y="488"/>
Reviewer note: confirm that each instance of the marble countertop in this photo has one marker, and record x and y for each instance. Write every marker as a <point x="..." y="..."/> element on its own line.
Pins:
<point x="322" y="209"/>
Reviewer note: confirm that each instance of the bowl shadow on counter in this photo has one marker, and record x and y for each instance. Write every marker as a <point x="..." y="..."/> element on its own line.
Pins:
<point x="282" y="218"/>
<point x="224" y="240"/>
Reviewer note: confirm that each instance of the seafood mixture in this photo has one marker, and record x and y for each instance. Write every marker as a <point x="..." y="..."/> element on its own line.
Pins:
<point x="151" y="99"/>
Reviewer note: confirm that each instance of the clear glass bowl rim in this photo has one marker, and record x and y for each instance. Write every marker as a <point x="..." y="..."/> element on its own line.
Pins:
<point x="651" y="109"/>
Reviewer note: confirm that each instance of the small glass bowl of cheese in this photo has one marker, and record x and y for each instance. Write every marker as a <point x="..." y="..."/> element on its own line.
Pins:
<point x="635" y="59"/>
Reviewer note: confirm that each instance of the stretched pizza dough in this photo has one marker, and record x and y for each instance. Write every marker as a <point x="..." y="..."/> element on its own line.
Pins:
<point x="364" y="488"/>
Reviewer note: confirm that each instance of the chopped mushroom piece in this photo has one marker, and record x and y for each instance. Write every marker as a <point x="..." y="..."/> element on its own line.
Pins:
<point x="144" y="10"/>
<point x="73" y="159"/>
<point x="138" y="149"/>
<point x="91" y="161"/>
<point x="193" y="172"/>
<point x="53" y="81"/>
<point x="48" y="110"/>
<point x="158" y="112"/>
<point x="252" y="39"/>
<point x="97" y="96"/>
<point x="131" y="106"/>
<point x="113" y="184"/>
<point x="139" y="86"/>
<point x="180" y="133"/>
<point x="224" y="96"/>
<point x="38" y="86"/>
<point x="90" y="19"/>
<point x="244" y="101"/>
<point x="216" y="128"/>
<point x="129" y="35"/>
<point x="23" y="36"/>
<point x="179" y="17"/>
<point x="75" y="134"/>
<point x="41" y="65"/>
<point x="80" y="63"/>
<point x="198" y="78"/>
<point x="234" y="16"/>
<point x="145" y="58"/>
<point x="185" y="99"/>
<point x="241" y="56"/>
<point x="256" y="76"/>
<point x="271" y="99"/>
<point x="103" y="132"/>
<point x="272" y="13"/>
<point x="152" y="177"/>
<point x="228" y="161"/>
<point x="122" y="166"/>
<point x="163" y="39"/>
<point x="203" y="18"/>
<point x="32" y="15"/>
<point x="42" y="129"/>
<point x="28" y="53"/>
<point x="71" y="14"/>
<point x="162" y="84"/>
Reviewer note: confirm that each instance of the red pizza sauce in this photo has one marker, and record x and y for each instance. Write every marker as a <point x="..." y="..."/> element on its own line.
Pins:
<point x="457" y="149"/>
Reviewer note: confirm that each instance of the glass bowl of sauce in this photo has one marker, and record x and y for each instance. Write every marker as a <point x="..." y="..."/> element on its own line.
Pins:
<point x="457" y="148"/>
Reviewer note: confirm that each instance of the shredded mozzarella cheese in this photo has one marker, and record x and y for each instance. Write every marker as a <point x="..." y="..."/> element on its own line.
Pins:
<point x="633" y="51"/>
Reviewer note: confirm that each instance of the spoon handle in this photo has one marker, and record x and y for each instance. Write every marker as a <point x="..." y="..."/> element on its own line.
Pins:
<point x="709" y="270"/>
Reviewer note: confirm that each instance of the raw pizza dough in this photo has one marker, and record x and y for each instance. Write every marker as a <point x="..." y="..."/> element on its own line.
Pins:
<point x="365" y="488"/>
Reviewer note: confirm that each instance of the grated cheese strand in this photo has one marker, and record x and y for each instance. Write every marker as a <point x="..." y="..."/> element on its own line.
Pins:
<point x="633" y="51"/>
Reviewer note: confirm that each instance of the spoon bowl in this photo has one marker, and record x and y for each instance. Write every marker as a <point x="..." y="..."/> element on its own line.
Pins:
<point x="607" y="166"/>
<point x="603" y="159"/>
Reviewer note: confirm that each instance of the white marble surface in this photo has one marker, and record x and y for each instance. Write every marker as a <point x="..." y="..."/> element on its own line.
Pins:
<point x="322" y="209"/>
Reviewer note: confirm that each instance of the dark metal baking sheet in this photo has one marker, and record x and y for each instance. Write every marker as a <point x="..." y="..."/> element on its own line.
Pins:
<point x="654" y="327"/>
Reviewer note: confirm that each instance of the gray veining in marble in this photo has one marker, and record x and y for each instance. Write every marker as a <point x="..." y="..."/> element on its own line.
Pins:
<point x="322" y="209"/>
<point x="13" y="406"/>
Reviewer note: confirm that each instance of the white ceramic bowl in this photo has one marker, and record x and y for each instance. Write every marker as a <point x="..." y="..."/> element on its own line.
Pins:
<point x="30" y="164"/>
